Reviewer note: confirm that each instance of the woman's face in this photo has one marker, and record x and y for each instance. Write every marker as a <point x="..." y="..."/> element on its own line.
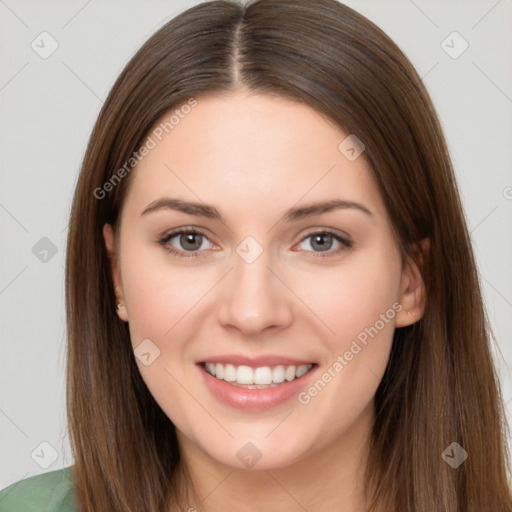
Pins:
<point x="269" y="281"/>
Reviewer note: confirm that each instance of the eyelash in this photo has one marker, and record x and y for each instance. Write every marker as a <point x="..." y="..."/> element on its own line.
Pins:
<point x="162" y="241"/>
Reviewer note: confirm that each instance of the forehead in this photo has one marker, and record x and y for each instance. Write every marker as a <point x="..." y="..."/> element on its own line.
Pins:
<point x="255" y="150"/>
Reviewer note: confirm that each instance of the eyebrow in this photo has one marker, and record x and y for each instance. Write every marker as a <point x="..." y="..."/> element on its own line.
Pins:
<point x="293" y="214"/>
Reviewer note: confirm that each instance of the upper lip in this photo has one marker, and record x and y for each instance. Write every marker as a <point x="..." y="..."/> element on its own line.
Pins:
<point x="255" y="362"/>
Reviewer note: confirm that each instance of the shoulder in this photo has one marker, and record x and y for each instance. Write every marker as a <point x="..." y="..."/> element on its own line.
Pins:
<point x="49" y="492"/>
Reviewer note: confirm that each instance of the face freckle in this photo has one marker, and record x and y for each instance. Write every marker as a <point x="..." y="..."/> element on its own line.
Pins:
<point x="322" y="287"/>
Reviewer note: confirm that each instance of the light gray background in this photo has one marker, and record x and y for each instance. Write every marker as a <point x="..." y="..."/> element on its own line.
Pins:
<point x="47" y="110"/>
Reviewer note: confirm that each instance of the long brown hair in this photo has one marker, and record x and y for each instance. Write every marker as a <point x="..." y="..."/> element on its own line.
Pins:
<point x="440" y="385"/>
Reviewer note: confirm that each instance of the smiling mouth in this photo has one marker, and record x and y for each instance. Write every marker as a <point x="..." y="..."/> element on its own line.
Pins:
<point x="262" y="377"/>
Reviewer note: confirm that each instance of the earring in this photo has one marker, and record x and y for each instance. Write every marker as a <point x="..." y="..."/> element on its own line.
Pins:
<point x="119" y="306"/>
<point x="408" y="313"/>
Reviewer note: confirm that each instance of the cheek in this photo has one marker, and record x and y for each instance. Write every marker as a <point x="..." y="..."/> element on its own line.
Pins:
<point x="355" y="301"/>
<point x="351" y="297"/>
<point x="160" y="302"/>
<point x="157" y="293"/>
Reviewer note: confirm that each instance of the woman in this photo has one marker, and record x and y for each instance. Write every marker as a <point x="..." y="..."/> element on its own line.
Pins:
<point x="322" y="343"/>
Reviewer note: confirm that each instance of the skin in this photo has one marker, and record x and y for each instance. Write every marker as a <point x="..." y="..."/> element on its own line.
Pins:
<point x="253" y="157"/>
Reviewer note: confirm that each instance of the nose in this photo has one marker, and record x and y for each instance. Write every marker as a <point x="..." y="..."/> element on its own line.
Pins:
<point x="255" y="298"/>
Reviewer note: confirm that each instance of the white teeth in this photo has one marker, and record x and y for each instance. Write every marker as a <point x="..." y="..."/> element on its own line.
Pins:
<point x="229" y="373"/>
<point x="289" y="374"/>
<point x="244" y="375"/>
<point x="278" y="374"/>
<point x="263" y="375"/>
<point x="254" y="386"/>
<point x="301" y="370"/>
<point x="256" y="378"/>
<point x="210" y="368"/>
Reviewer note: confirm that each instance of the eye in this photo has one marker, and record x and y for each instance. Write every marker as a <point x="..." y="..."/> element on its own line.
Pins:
<point x="324" y="240"/>
<point x="191" y="240"/>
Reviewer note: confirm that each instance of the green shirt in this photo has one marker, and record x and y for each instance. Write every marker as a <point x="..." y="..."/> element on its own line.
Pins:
<point x="49" y="492"/>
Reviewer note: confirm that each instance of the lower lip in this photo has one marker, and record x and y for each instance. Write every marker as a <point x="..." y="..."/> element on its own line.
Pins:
<point x="255" y="399"/>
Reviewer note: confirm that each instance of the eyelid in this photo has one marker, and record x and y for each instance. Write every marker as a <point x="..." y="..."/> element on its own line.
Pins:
<point x="343" y="239"/>
<point x="182" y="230"/>
<point x="169" y="235"/>
<point x="324" y="230"/>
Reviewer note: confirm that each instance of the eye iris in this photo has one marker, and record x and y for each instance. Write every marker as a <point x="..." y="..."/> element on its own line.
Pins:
<point x="189" y="238"/>
<point x="320" y="239"/>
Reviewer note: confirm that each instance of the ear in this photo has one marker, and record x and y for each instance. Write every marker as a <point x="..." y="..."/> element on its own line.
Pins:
<point x="108" y="236"/>
<point x="412" y="288"/>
